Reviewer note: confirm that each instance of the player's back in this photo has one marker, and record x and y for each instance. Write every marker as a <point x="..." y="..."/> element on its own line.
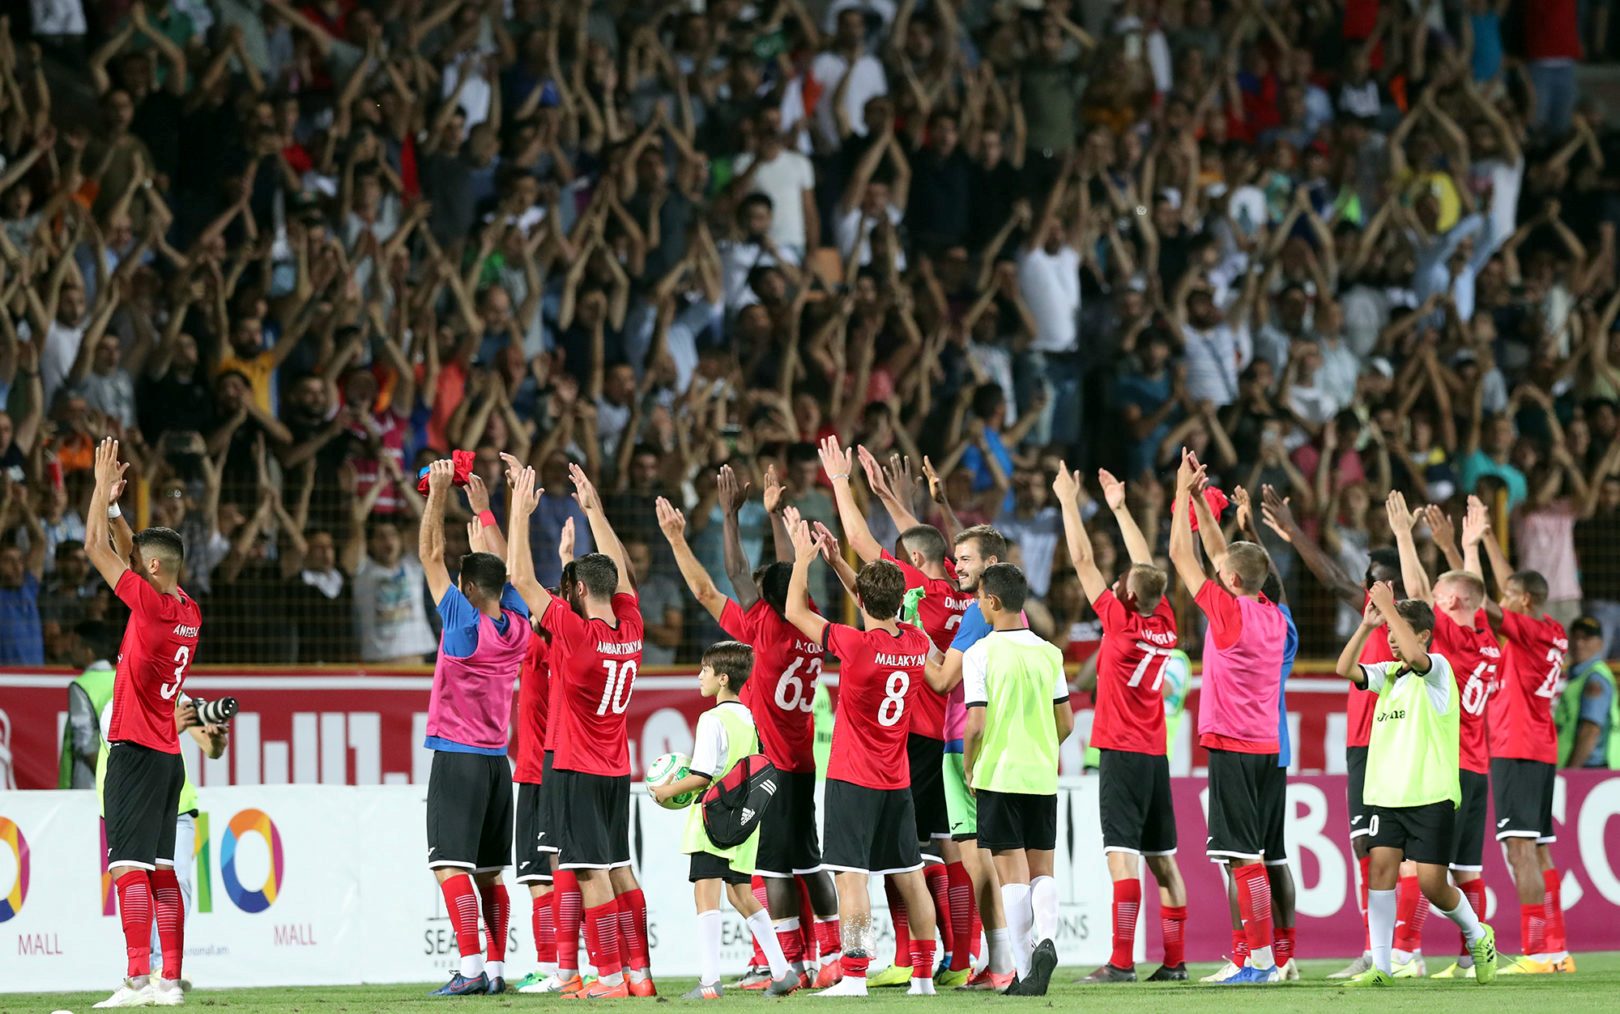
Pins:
<point x="1243" y="651"/>
<point x="594" y="664"/>
<point x="159" y="646"/>
<point x="879" y="677"/>
<point x="781" y="691"/>
<point x="1474" y="654"/>
<point x="1130" y="673"/>
<point x="1520" y="712"/>
<point x="478" y="662"/>
<point x="939" y="607"/>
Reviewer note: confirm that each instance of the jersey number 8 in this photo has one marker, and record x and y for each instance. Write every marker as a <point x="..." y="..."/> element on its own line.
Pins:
<point x="894" y="698"/>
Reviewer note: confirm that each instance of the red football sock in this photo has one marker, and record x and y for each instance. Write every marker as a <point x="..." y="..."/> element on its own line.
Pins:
<point x="1554" y="904"/>
<point x="1474" y="891"/>
<point x="1240" y="948"/>
<point x="633" y="928"/>
<point x="461" y="901"/>
<point x="792" y="941"/>
<point x="829" y="940"/>
<point x="568" y="908"/>
<point x="855" y="966"/>
<point x="1254" y="905"/>
<point x="1365" y="862"/>
<point x="1173" y="925"/>
<point x="902" y="927"/>
<point x="757" y="885"/>
<point x="978" y="929"/>
<point x="1127" y="901"/>
<point x="939" y="885"/>
<point x="922" y="958"/>
<point x="1283" y="947"/>
<point x="134" y="891"/>
<point x="545" y="929"/>
<point x="602" y="922"/>
<point x="1533" y="928"/>
<point x="961" y="887"/>
<point x="171" y="919"/>
<point x="496" y="906"/>
<point x="807" y="919"/>
<point x="1411" y="911"/>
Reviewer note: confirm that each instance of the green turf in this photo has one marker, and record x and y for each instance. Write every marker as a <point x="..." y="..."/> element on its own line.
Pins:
<point x="1594" y="988"/>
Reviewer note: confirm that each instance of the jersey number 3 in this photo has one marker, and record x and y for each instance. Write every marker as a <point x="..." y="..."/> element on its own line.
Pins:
<point x="182" y="658"/>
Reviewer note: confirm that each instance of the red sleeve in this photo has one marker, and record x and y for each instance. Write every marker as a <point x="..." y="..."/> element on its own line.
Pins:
<point x="950" y="567"/>
<point x="914" y="577"/>
<point x="1517" y="626"/>
<point x="840" y="641"/>
<point x="565" y="625"/>
<point x="735" y="622"/>
<point x="1109" y="611"/>
<point x="627" y="610"/>
<point x="1225" y="620"/>
<point x="135" y="593"/>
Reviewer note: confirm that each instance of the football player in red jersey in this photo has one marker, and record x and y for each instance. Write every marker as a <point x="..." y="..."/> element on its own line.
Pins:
<point x="881" y="668"/>
<point x="1524" y="744"/>
<point x="144" y="769"/>
<point x="1138" y="818"/>
<point x="779" y="696"/>
<point x="1384" y="565"/>
<point x="595" y="654"/>
<point x="926" y="568"/>
<point x="1463" y="636"/>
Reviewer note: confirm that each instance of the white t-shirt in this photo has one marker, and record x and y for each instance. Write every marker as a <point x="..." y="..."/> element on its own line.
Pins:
<point x="389" y="610"/>
<point x="737" y="260"/>
<point x="854" y="232"/>
<point x="710" y="744"/>
<point x="868" y="82"/>
<point x="1214" y="359"/>
<point x="975" y="667"/>
<point x="1050" y="285"/>
<point x="1439" y="679"/>
<point x="783" y="179"/>
<point x="56" y="357"/>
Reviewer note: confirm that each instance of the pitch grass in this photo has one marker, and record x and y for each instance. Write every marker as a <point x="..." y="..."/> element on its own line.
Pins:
<point x="1594" y="988"/>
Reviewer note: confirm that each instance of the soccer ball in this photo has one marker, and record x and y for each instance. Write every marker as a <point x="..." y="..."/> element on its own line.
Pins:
<point x="672" y="767"/>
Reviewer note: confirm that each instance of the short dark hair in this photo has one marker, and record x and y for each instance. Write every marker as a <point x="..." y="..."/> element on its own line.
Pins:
<point x="597" y="574"/>
<point x="1418" y="614"/>
<point x="1534" y="585"/>
<point x="732" y="659"/>
<point x="1384" y="564"/>
<point x="163" y="543"/>
<point x="924" y="539"/>
<point x="1005" y="583"/>
<point x="773" y="585"/>
<point x="988" y="398"/>
<point x="991" y="542"/>
<point x="484" y="571"/>
<point x="751" y="201"/>
<point x="881" y="587"/>
<point x="800" y="453"/>
<point x="67" y="547"/>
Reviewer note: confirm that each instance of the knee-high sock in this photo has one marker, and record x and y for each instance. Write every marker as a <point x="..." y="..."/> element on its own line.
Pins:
<point x="1381" y="924"/>
<point x="1554" y="904"/>
<point x="1411" y="912"/>
<point x="568" y="907"/>
<point x="756" y="884"/>
<point x="1283" y="944"/>
<point x="461" y="901"/>
<point x="633" y="929"/>
<point x="939" y="885"/>
<point x="809" y="942"/>
<point x="961" y="891"/>
<point x="134" y="890"/>
<point x="1365" y="864"/>
<point x="1043" y="901"/>
<point x="1533" y="928"/>
<point x="1474" y="891"/>
<point x="544" y="918"/>
<point x="1173" y="926"/>
<point x="1466" y="921"/>
<point x="829" y="940"/>
<point x="602" y="922"/>
<point x="1020" y="919"/>
<point x="1127" y="901"/>
<point x="759" y="924"/>
<point x="978" y="925"/>
<point x="902" y="923"/>
<point x="496" y="906"/>
<point x="1254" y="908"/>
<point x="171" y="919"/>
<point x="709" y="947"/>
<point x="922" y="959"/>
<point x="790" y="938"/>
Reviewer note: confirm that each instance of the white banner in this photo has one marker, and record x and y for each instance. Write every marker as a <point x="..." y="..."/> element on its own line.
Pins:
<point x="316" y="885"/>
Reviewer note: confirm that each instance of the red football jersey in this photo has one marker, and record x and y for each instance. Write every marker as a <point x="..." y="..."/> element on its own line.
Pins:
<point x="1130" y="674"/>
<point x="781" y="690"/>
<point x="1361" y="704"/>
<point x="534" y="700"/>
<point x="593" y="665"/>
<point x="1474" y="654"/>
<point x="1520" y="712"/>
<point x="158" y="648"/>
<point x="939" y="614"/>
<point x="880" y="678"/>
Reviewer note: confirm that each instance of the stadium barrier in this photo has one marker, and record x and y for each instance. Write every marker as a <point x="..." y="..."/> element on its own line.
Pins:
<point x="324" y="884"/>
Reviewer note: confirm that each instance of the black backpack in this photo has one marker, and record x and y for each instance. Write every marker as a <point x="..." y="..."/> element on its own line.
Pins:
<point x="733" y="805"/>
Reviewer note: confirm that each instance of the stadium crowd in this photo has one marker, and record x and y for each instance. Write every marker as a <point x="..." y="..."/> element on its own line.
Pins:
<point x="288" y="252"/>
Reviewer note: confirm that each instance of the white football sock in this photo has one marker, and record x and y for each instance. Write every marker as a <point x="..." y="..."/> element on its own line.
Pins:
<point x="1466" y="919"/>
<point x="1381" y="924"/>
<point x="709" y="947"/>
<point x="472" y="965"/>
<point x="1043" y="899"/>
<point x="1020" y="917"/>
<point x="1001" y="953"/>
<point x="765" y="934"/>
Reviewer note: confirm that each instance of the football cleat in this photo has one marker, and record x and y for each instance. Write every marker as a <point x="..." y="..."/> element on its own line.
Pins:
<point x="461" y="985"/>
<point x="829" y="974"/>
<point x="1169" y="973"/>
<point x="497" y="985"/>
<point x="754" y="978"/>
<point x="1250" y="975"/>
<point x="1417" y="968"/>
<point x="1354" y="968"/>
<point x="988" y="980"/>
<point x="952" y="978"/>
<point x="1485" y="956"/>
<point x="1289" y="970"/>
<point x="166" y="993"/>
<point x="532" y="979"/>
<point x="921" y="986"/>
<point x="128" y="995"/>
<point x="1455" y="971"/>
<point x="712" y="991"/>
<point x="1108" y="973"/>
<point x="1223" y="973"/>
<point x="1565" y="964"/>
<point x="1372" y="977"/>
<point x="788" y="983"/>
<point x="1041" y="966"/>
<point x="600" y="990"/>
<point x="894" y="975"/>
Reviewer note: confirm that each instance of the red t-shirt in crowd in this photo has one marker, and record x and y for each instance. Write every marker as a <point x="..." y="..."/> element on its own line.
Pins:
<point x="939" y="614"/>
<point x="1473" y="653"/>
<point x="593" y="665"/>
<point x="534" y="699"/>
<point x="880" y="678"/>
<point x="1551" y="31"/>
<point x="1130" y="671"/>
<point x="782" y="688"/>
<point x="1520" y="712"/>
<point x="159" y="645"/>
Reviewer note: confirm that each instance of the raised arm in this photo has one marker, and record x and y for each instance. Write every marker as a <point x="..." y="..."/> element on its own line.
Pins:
<point x="1401" y="522"/>
<point x="601" y="530"/>
<point x="673" y="524"/>
<point x="489" y="531"/>
<point x="1136" y="544"/>
<point x="883" y="485"/>
<point x="519" y="558"/>
<point x="1182" y="554"/>
<point x="837" y="463"/>
<point x="1349" y="664"/>
<point x="430" y="539"/>
<point x="738" y="570"/>
<point x="1067" y="489"/>
<point x="1280" y="519"/>
<point x="774" y="491"/>
<point x="97" y="543"/>
<point x="805" y="619"/>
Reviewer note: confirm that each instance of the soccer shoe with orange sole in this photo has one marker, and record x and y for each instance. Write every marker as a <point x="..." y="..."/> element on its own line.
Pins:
<point x="1525" y="965"/>
<point x="989" y="981"/>
<point x="569" y="986"/>
<point x="600" y="990"/>
<point x="1565" y="964"/>
<point x="830" y="974"/>
<point x="643" y="988"/>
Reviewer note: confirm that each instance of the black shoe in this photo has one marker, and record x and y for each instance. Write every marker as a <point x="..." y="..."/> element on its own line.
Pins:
<point x="1108" y="973"/>
<point x="1169" y="973"/>
<point x="1016" y="988"/>
<point x="497" y="985"/>
<point x="1041" y="966"/>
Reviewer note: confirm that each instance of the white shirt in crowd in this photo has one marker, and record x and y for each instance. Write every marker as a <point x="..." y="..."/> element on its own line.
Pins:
<point x="867" y="81"/>
<point x="389" y="610"/>
<point x="1214" y="358"/>
<point x="854" y="233"/>
<point x="56" y="357"/>
<point x="1050" y="285"/>
<point x="738" y="259"/>
<point x="784" y="179"/>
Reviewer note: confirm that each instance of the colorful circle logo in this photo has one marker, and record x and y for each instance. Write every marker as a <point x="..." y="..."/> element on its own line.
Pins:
<point x="11" y="836"/>
<point x="243" y="824"/>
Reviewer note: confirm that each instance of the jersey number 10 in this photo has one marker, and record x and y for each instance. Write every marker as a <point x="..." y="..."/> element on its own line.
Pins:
<point x="616" y="689"/>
